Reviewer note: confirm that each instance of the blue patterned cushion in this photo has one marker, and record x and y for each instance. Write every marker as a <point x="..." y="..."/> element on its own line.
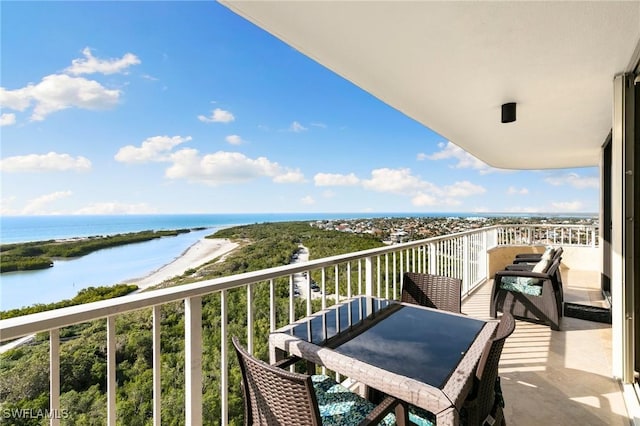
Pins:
<point x="525" y="285"/>
<point x="421" y="417"/>
<point x="339" y="406"/>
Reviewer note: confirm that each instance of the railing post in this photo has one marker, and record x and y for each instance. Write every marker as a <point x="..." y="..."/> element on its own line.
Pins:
<point x="54" y="377"/>
<point x="250" y="318"/>
<point x="292" y="311"/>
<point x="336" y="273"/>
<point x="157" y="362"/>
<point x="224" y="362"/>
<point x="433" y="261"/>
<point x="466" y="275"/>
<point x="111" y="371"/>
<point x="368" y="276"/>
<point x="272" y="305"/>
<point x="378" y="275"/>
<point x="368" y="283"/>
<point x="193" y="361"/>
<point x="348" y="280"/>
<point x="395" y="278"/>
<point x="386" y="275"/>
<point x="323" y="289"/>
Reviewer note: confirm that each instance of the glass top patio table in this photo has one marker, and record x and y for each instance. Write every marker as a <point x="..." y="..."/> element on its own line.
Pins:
<point x="421" y="355"/>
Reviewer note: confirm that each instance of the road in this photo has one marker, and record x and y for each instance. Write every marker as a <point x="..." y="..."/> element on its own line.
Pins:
<point x="300" y="278"/>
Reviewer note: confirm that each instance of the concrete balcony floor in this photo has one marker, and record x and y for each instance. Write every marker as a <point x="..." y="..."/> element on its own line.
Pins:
<point x="557" y="377"/>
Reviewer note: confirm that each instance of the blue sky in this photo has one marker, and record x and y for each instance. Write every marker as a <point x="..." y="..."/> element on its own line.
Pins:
<point x="184" y="107"/>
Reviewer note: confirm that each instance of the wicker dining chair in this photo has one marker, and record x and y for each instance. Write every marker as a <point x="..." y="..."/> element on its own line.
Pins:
<point x="433" y="291"/>
<point x="486" y="397"/>
<point x="275" y="396"/>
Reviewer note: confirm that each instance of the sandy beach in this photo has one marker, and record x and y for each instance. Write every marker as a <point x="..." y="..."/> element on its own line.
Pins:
<point x="201" y="252"/>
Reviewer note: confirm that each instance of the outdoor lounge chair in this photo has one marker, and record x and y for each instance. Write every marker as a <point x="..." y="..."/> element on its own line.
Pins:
<point x="433" y="291"/>
<point x="275" y="396"/>
<point x="549" y="254"/>
<point x="529" y="295"/>
<point x="527" y="261"/>
<point x="485" y="401"/>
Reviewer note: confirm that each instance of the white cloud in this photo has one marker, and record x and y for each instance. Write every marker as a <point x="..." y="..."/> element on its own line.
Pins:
<point x="18" y="99"/>
<point x="308" y="200"/>
<point x="226" y="167"/>
<point x="38" y="205"/>
<point x="575" y="180"/>
<point x="512" y="190"/>
<point x="116" y="208"/>
<point x="57" y="92"/>
<point x="291" y="176"/>
<point x="217" y="116"/>
<point x="320" y="125"/>
<point x="463" y="189"/>
<point x="397" y="181"/>
<point x="51" y="162"/>
<point x="422" y="199"/>
<point x="90" y="64"/>
<point x="5" y="206"/>
<point x="234" y="140"/>
<point x="570" y="206"/>
<point x="7" y="119"/>
<point x="464" y="159"/>
<point x="403" y="182"/>
<point x="297" y="127"/>
<point x="329" y="179"/>
<point x="155" y="148"/>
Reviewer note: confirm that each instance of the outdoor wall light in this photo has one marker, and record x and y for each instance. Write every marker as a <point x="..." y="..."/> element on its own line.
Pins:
<point x="509" y="112"/>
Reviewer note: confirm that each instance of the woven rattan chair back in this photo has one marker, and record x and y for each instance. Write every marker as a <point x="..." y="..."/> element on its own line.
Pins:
<point x="433" y="291"/>
<point x="274" y="396"/>
<point x="487" y="373"/>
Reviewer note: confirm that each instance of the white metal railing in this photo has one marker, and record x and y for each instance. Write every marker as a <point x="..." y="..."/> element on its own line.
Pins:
<point x="559" y="235"/>
<point x="377" y="272"/>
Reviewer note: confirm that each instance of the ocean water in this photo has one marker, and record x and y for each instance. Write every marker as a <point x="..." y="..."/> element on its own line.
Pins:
<point x="118" y="264"/>
<point x="114" y="265"/>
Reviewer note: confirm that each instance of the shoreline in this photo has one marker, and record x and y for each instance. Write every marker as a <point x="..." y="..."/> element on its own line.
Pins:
<point x="202" y="251"/>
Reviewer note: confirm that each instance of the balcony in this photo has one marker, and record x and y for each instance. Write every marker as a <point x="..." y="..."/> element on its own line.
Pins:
<point x="552" y="377"/>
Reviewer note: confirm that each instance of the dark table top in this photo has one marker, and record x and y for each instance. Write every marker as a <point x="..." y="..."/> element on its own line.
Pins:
<point x="423" y="344"/>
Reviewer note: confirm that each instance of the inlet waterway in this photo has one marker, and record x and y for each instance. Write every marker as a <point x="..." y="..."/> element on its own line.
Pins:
<point x="100" y="268"/>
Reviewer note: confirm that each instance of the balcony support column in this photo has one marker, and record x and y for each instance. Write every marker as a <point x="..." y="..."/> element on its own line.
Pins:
<point x="623" y="201"/>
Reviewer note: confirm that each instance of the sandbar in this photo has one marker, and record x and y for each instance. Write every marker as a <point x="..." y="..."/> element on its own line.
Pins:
<point x="199" y="253"/>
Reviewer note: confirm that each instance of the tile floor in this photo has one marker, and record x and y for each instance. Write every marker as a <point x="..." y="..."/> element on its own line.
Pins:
<point x="557" y="377"/>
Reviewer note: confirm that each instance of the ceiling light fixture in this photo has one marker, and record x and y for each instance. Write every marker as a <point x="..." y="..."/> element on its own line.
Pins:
<point x="509" y="112"/>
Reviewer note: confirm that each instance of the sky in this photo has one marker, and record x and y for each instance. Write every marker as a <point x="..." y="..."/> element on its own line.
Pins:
<point x="184" y="107"/>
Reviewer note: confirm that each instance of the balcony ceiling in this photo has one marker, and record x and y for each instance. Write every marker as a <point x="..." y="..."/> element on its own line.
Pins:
<point x="451" y="65"/>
